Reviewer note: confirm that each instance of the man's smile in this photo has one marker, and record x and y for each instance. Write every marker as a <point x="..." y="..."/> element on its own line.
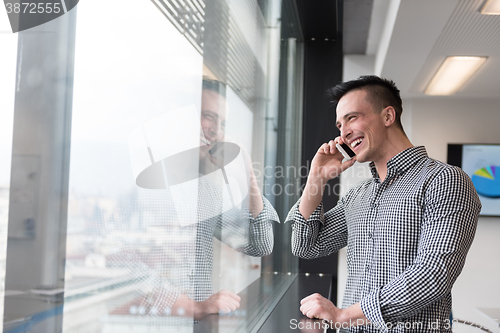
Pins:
<point x="354" y="144"/>
<point x="204" y="140"/>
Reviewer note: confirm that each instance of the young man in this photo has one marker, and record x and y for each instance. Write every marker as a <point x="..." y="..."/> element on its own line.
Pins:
<point x="407" y="230"/>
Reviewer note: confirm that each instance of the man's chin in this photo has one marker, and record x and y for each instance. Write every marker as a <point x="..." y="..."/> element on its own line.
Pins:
<point x="361" y="158"/>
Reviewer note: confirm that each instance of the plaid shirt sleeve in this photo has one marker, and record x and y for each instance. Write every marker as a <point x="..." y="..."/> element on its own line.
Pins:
<point x="321" y="235"/>
<point x="448" y="227"/>
<point x="238" y="229"/>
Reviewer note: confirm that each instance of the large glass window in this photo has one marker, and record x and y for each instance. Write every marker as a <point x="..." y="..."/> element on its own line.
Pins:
<point x="144" y="139"/>
<point x="7" y="91"/>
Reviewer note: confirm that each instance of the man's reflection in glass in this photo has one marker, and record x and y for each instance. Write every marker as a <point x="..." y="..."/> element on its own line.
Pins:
<point x="187" y="289"/>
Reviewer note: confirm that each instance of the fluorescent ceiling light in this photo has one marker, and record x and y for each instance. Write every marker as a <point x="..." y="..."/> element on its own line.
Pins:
<point x="453" y="74"/>
<point x="491" y="7"/>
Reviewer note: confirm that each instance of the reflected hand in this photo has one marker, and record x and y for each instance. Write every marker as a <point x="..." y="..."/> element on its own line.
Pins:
<point x="224" y="301"/>
<point x="216" y="154"/>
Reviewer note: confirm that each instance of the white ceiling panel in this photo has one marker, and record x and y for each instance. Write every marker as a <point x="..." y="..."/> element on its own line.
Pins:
<point x="426" y="32"/>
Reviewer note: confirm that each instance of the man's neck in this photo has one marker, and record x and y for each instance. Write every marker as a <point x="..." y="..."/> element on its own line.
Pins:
<point x="396" y="143"/>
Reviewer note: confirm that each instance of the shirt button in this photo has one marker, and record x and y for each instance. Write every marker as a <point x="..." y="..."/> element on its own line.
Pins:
<point x="367" y="268"/>
<point x="370" y="235"/>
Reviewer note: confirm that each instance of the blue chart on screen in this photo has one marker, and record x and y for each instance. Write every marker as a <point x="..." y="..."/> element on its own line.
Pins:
<point x="487" y="181"/>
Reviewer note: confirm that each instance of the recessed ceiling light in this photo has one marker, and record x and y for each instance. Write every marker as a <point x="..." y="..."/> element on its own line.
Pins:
<point x="453" y="74"/>
<point x="491" y="7"/>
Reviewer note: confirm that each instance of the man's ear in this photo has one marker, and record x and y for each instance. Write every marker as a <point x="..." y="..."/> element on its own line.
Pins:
<point x="389" y="116"/>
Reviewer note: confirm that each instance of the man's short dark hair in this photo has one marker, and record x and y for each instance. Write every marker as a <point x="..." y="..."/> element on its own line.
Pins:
<point x="381" y="93"/>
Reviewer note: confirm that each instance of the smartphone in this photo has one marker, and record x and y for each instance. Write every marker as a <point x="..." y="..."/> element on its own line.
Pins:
<point x="217" y="149"/>
<point x="226" y="151"/>
<point x="345" y="150"/>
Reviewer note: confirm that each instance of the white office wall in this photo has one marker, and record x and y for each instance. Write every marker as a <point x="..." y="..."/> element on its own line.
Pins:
<point x="435" y="123"/>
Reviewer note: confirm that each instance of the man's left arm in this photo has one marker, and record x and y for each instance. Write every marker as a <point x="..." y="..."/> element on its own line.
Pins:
<point x="449" y="224"/>
<point x="250" y="229"/>
<point x="451" y="212"/>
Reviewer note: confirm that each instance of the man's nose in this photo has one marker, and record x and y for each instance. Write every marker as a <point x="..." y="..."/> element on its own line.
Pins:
<point x="216" y="129"/>
<point x="345" y="132"/>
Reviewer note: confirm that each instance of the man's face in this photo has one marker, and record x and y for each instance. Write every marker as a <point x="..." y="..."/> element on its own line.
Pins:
<point x="213" y="113"/>
<point x="361" y="127"/>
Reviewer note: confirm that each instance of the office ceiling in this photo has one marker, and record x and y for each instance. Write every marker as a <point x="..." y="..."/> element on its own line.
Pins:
<point x="320" y="19"/>
<point x="425" y="32"/>
<point x="357" y="14"/>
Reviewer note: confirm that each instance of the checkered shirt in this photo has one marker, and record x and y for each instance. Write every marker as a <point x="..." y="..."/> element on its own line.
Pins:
<point x="407" y="238"/>
<point x="179" y="259"/>
<point x="185" y="266"/>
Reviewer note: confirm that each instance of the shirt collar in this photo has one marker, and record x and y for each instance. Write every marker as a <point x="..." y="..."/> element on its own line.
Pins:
<point x="402" y="161"/>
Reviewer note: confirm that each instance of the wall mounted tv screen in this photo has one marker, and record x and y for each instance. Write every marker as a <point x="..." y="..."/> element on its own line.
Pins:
<point x="482" y="163"/>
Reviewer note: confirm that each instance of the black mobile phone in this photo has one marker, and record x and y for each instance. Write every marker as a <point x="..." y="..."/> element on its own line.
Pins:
<point x="346" y="151"/>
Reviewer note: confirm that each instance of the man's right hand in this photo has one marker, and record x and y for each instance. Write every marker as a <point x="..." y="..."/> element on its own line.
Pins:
<point x="223" y="301"/>
<point x="326" y="164"/>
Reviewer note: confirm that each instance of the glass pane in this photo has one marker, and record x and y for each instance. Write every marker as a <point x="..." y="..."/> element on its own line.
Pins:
<point x="141" y="146"/>
<point x="162" y="231"/>
<point x="7" y="93"/>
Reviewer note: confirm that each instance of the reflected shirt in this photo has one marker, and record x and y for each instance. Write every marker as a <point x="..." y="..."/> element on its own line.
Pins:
<point x="407" y="238"/>
<point x="185" y="266"/>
